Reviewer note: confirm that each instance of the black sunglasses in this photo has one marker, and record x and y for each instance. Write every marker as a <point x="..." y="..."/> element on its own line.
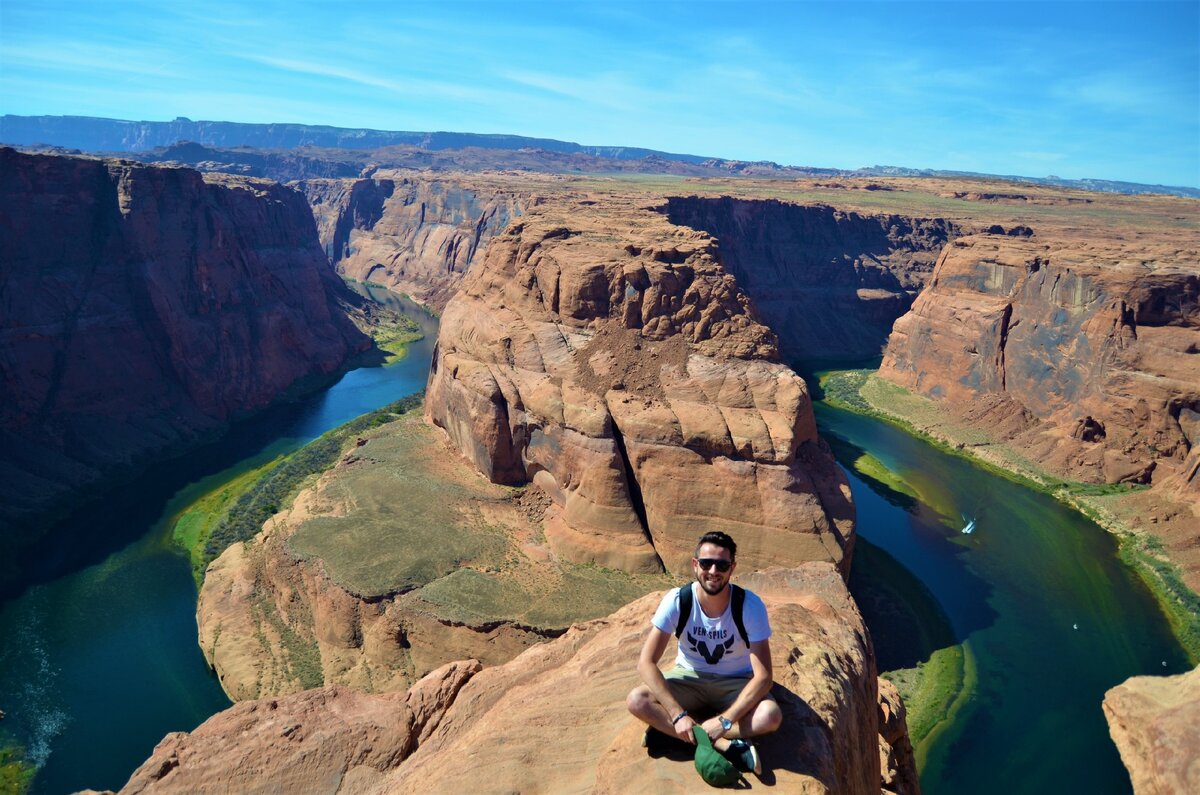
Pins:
<point x="708" y="563"/>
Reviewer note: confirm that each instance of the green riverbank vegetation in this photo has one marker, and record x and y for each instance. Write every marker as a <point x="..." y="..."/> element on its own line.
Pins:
<point x="394" y="338"/>
<point x="16" y="773"/>
<point x="237" y="510"/>
<point x="933" y="692"/>
<point x="864" y="392"/>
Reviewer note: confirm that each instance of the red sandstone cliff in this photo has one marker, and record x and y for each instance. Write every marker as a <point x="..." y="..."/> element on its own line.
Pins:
<point x="605" y="354"/>
<point x="828" y="282"/>
<point x="554" y="719"/>
<point x="142" y="308"/>
<point x="1084" y="354"/>
<point x="414" y="234"/>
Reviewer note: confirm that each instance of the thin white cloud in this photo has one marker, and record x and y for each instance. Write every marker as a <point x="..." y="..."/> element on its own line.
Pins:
<point x="407" y="86"/>
<point x="606" y="91"/>
<point x="121" y="60"/>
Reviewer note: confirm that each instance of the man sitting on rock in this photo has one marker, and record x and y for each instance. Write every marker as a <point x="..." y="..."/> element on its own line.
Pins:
<point x="723" y="667"/>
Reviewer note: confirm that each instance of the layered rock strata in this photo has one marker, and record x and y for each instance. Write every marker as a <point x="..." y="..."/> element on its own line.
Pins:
<point x="605" y="355"/>
<point x="143" y="308"/>
<point x="414" y="234"/>
<point x="1086" y="355"/>
<point x="1153" y="721"/>
<point x="829" y="282"/>
<point x="554" y="718"/>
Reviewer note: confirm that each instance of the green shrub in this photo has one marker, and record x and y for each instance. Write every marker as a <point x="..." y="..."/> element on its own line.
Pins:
<point x="280" y="484"/>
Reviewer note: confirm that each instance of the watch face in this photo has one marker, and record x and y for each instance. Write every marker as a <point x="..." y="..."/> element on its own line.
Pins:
<point x="726" y="724"/>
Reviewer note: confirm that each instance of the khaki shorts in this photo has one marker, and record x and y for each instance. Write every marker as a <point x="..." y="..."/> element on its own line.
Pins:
<point x="697" y="691"/>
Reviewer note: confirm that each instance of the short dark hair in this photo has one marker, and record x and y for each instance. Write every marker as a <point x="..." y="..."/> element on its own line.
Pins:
<point x="719" y="539"/>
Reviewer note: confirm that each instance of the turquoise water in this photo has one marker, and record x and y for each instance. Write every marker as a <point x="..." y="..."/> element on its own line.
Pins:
<point x="1035" y="595"/>
<point x="98" y="654"/>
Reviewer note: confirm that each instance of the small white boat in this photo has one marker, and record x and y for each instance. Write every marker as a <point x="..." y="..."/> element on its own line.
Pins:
<point x="969" y="527"/>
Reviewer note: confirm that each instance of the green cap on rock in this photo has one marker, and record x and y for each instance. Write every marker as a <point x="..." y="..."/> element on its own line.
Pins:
<point x="712" y="766"/>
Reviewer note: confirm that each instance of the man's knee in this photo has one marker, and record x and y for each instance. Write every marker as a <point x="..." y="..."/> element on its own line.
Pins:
<point x="639" y="701"/>
<point x="768" y="717"/>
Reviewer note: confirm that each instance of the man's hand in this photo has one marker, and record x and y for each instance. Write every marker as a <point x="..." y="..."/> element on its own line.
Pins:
<point x="713" y="728"/>
<point x="683" y="730"/>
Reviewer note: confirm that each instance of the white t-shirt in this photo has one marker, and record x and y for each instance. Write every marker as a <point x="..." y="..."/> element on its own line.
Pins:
<point x="713" y="645"/>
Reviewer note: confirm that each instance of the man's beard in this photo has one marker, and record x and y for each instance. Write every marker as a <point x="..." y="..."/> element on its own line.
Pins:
<point x="711" y="590"/>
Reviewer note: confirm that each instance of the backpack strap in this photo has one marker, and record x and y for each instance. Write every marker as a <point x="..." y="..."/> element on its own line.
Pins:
<point x="738" y="597"/>
<point x="685" y="608"/>
<point x="739" y="604"/>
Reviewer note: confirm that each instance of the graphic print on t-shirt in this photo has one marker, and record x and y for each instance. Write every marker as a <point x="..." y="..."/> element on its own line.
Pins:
<point x="711" y="656"/>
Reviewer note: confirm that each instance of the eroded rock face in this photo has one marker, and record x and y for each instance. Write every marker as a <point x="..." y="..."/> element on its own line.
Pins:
<point x="1153" y="721"/>
<point x="606" y="355"/>
<point x="415" y="235"/>
<point x="829" y="282"/>
<point x="143" y="308"/>
<point x="554" y="718"/>
<point x="1085" y="354"/>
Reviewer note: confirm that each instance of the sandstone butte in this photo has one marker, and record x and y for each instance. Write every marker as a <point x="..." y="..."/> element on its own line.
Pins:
<point x="553" y="719"/>
<point x="604" y="354"/>
<point x="1155" y="722"/>
<point x="143" y="309"/>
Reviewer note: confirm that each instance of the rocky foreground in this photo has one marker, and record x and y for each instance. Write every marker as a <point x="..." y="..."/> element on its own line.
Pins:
<point x="1155" y="722"/>
<point x="554" y="718"/>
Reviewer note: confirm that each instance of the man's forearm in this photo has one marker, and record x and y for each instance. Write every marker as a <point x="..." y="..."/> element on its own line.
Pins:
<point x="751" y="694"/>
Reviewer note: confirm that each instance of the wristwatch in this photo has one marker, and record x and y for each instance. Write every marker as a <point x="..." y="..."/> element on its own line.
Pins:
<point x="726" y="724"/>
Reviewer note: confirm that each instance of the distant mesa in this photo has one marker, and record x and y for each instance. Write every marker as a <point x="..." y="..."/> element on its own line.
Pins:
<point x="92" y="134"/>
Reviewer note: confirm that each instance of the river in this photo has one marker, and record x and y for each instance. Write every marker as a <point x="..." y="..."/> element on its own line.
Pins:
<point x="98" y="654"/>
<point x="100" y="660"/>
<point x="1034" y="601"/>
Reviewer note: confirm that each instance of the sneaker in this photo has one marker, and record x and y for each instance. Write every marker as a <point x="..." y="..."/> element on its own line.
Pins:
<point x="744" y="756"/>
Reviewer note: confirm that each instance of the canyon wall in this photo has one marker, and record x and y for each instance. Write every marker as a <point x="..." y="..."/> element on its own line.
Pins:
<point x="1086" y="355"/>
<point x="829" y="282"/>
<point x="554" y="718"/>
<point x="413" y="234"/>
<point x="144" y="308"/>
<point x="604" y="354"/>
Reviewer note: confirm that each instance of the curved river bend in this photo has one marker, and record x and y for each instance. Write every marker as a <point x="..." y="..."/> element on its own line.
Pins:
<point x="1034" y="601"/>
<point x="96" y="665"/>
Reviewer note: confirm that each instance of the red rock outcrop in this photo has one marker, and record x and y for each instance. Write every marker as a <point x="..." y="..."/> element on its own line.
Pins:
<point x="414" y="234"/>
<point x="1155" y="722"/>
<point x="144" y="307"/>
<point x="605" y="354"/>
<point x="830" y="283"/>
<point x="1084" y="354"/>
<point x="554" y="718"/>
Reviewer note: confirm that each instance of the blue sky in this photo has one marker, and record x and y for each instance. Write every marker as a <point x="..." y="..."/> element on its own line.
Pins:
<point x="1075" y="89"/>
